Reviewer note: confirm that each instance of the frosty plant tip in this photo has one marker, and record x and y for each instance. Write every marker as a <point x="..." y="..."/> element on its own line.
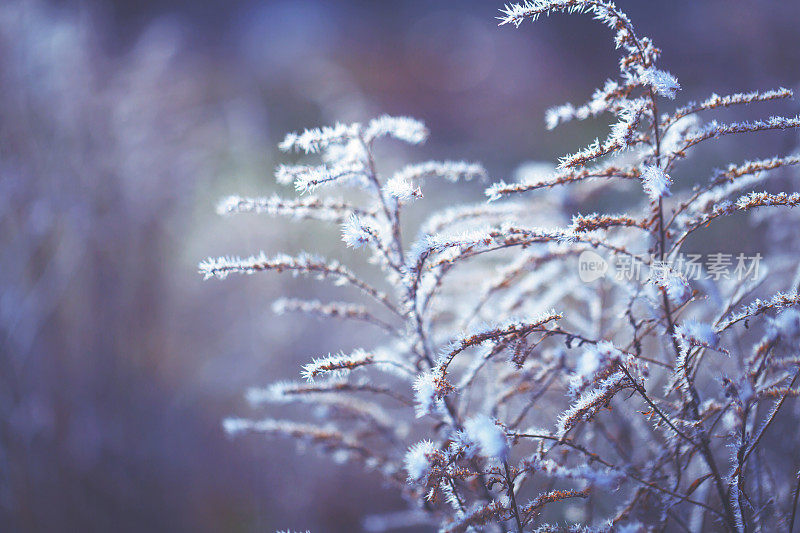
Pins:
<point x="505" y="387"/>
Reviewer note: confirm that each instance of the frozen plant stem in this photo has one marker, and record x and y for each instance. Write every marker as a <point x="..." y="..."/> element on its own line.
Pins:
<point x="708" y="456"/>
<point x="511" y="497"/>
<point x="485" y="318"/>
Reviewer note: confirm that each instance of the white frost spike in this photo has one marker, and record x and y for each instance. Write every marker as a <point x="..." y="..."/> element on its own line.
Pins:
<point x="405" y="129"/>
<point x="674" y="284"/>
<point x="655" y="182"/>
<point x="336" y="365"/>
<point x="309" y="178"/>
<point x="314" y="140"/>
<point x="697" y="333"/>
<point x="663" y="83"/>
<point x="401" y="189"/>
<point x="623" y="132"/>
<point x="608" y="479"/>
<point x="595" y="356"/>
<point x="592" y="360"/>
<point x="488" y="436"/>
<point x="416" y="460"/>
<point x="425" y="394"/>
<point x="559" y="114"/>
<point x="678" y="131"/>
<point x="602" y="100"/>
<point x="355" y="234"/>
<point x="453" y="171"/>
<point x="309" y="207"/>
<point x="678" y="289"/>
<point x="590" y="402"/>
<point x="351" y="152"/>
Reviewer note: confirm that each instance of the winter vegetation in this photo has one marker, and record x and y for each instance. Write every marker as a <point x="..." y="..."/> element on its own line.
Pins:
<point x="506" y="392"/>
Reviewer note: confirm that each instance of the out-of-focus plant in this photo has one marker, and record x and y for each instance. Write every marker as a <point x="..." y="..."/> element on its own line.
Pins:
<point x="507" y="388"/>
<point x="95" y="151"/>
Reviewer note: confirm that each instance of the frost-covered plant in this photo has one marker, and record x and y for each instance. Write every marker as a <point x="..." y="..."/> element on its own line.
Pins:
<point x="507" y="390"/>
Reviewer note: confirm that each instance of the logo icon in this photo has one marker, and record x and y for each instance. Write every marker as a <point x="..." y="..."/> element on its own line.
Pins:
<point x="591" y="266"/>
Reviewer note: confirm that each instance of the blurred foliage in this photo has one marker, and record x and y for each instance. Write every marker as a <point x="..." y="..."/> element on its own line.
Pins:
<point x="120" y="125"/>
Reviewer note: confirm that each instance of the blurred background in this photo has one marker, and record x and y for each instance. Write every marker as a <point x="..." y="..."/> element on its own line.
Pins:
<point x="123" y="122"/>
